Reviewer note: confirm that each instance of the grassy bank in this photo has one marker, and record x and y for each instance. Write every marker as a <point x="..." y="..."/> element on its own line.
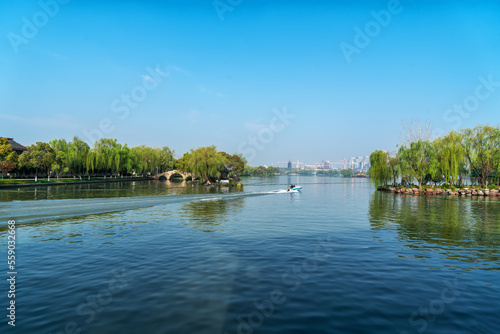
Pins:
<point x="8" y="183"/>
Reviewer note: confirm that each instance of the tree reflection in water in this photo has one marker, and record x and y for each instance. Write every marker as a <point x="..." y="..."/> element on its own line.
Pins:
<point x="208" y="215"/>
<point x="466" y="229"/>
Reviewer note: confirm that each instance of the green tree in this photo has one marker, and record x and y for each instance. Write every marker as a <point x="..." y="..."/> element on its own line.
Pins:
<point x="8" y="158"/>
<point x="90" y="162"/>
<point x="248" y="171"/>
<point x="167" y="161"/>
<point x="415" y="160"/>
<point x="206" y="162"/>
<point x="105" y="151"/>
<point x="394" y="168"/>
<point x="76" y="152"/>
<point x="450" y="155"/>
<point x="182" y="163"/>
<point x="328" y="172"/>
<point x="123" y="160"/>
<point x="347" y="172"/>
<point x="380" y="172"/>
<point x="236" y="161"/>
<point x="271" y="170"/>
<point x="434" y="165"/>
<point x="39" y="156"/>
<point x="59" y="166"/>
<point x="481" y="147"/>
<point x="260" y="171"/>
<point x="61" y="150"/>
<point x="138" y="159"/>
<point x="6" y="152"/>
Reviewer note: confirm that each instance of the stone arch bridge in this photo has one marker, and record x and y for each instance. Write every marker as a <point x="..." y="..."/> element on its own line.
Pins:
<point x="171" y="174"/>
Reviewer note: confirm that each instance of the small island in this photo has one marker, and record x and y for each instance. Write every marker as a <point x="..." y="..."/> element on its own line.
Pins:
<point x="461" y="163"/>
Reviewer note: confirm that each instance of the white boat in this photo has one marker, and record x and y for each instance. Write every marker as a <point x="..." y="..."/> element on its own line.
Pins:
<point x="295" y="189"/>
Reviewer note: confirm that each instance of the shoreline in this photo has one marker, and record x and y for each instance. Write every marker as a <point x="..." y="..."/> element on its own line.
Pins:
<point x="437" y="191"/>
<point x="48" y="184"/>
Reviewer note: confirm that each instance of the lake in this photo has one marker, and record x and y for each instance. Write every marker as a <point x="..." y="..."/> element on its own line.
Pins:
<point x="338" y="257"/>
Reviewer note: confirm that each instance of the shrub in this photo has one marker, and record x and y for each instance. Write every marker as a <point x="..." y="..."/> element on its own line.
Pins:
<point x="492" y="186"/>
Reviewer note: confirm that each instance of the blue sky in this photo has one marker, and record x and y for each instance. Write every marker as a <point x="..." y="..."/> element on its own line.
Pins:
<point x="186" y="74"/>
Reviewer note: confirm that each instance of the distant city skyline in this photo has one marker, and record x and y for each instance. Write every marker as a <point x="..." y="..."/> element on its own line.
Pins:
<point x="357" y="162"/>
<point x="269" y="79"/>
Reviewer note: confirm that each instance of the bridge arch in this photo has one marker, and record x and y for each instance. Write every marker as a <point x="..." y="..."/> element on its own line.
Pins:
<point x="176" y="176"/>
<point x="170" y="174"/>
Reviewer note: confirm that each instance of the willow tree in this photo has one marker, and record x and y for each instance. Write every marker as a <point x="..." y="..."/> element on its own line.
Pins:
<point x="59" y="166"/>
<point x="139" y="159"/>
<point x="481" y="147"/>
<point x="77" y="155"/>
<point x="451" y="156"/>
<point x="61" y="149"/>
<point x="105" y="151"/>
<point x="415" y="160"/>
<point x="206" y="162"/>
<point x="90" y="162"/>
<point x="167" y="159"/>
<point x="380" y="172"/>
<point x="182" y="164"/>
<point x="433" y="165"/>
<point x="394" y="168"/>
<point x="124" y="161"/>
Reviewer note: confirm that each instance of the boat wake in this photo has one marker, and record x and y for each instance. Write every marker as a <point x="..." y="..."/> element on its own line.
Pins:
<point x="284" y="191"/>
<point x="46" y="210"/>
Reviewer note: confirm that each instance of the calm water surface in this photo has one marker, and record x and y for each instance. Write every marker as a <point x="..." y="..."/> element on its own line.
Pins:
<point x="339" y="257"/>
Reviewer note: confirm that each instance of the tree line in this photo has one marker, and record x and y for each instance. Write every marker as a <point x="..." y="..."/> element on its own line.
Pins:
<point x="348" y="172"/>
<point x="450" y="159"/>
<point x="108" y="157"/>
<point x="260" y="171"/>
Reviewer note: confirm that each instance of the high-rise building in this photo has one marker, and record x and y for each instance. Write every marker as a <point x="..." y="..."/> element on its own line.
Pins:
<point x="289" y="164"/>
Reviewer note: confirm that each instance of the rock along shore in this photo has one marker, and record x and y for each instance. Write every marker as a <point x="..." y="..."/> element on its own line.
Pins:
<point x="430" y="191"/>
